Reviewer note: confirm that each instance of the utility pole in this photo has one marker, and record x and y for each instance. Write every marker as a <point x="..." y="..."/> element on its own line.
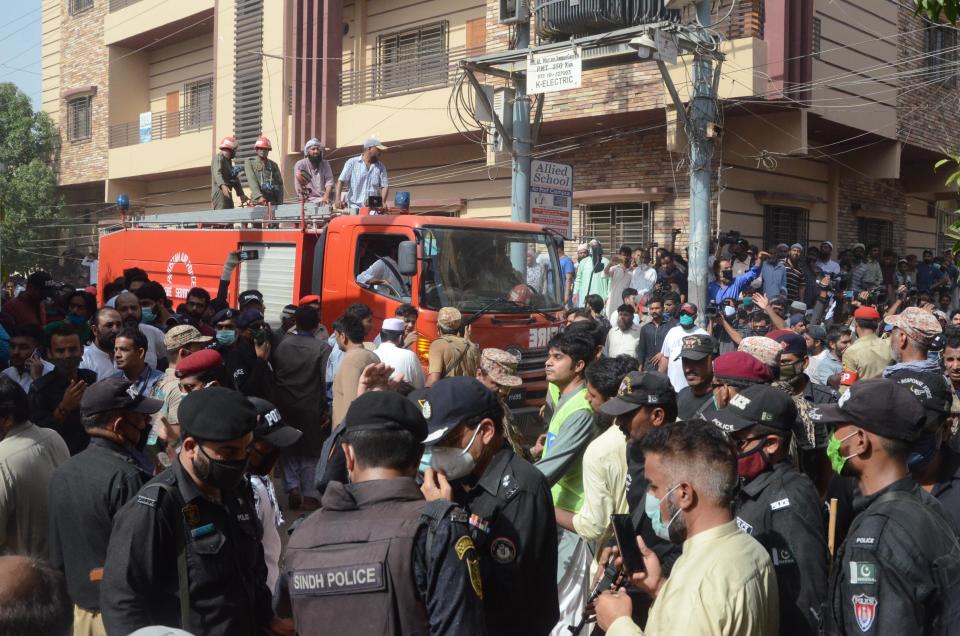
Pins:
<point x="522" y="144"/>
<point x="702" y="113"/>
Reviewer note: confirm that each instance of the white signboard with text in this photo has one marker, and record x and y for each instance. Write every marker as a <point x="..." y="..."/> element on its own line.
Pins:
<point x="551" y="196"/>
<point x="549" y="72"/>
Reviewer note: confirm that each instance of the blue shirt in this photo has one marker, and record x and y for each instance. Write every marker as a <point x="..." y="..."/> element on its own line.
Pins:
<point x="146" y="382"/>
<point x="363" y="181"/>
<point x="566" y="267"/>
<point x="774" y="279"/>
<point x="717" y="294"/>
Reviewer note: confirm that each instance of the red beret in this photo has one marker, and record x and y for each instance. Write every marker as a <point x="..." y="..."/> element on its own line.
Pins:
<point x="306" y="300"/>
<point x="198" y="362"/>
<point x="791" y="341"/>
<point x="739" y="365"/>
<point x="867" y="313"/>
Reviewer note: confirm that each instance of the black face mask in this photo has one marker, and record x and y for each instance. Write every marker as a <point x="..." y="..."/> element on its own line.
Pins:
<point x="67" y="367"/>
<point x="220" y="473"/>
<point x="267" y="462"/>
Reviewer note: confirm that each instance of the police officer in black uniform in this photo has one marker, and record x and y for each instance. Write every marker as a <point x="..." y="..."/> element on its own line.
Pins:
<point x="186" y="551"/>
<point x="898" y="570"/>
<point x="88" y="490"/>
<point x="377" y="558"/>
<point x="778" y="505"/>
<point x="509" y="502"/>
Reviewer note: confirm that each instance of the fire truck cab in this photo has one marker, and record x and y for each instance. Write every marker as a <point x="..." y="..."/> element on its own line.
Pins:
<point x="381" y="260"/>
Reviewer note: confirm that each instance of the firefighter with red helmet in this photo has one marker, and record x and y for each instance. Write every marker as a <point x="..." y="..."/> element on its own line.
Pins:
<point x="224" y="176"/>
<point x="263" y="175"/>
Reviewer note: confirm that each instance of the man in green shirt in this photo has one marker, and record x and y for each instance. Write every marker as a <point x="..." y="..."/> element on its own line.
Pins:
<point x="221" y="174"/>
<point x="263" y="175"/>
<point x="591" y="277"/>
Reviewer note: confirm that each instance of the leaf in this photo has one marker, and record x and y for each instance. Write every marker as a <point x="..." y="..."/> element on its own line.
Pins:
<point x="952" y="178"/>
<point x="940" y="164"/>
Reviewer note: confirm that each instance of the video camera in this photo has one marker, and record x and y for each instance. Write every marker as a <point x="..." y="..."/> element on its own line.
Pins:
<point x="729" y="237"/>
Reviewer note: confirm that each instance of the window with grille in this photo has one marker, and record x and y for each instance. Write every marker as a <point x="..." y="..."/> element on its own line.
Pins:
<point x="784" y="225"/>
<point x="815" y="47"/>
<point x="616" y="224"/>
<point x="412" y="60"/>
<point x="80" y="118"/>
<point x="875" y="232"/>
<point x="198" y="104"/>
<point x="78" y="6"/>
<point x="941" y="45"/>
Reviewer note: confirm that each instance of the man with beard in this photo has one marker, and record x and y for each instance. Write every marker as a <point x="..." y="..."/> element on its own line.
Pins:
<point x="777" y="505"/>
<point x="696" y="398"/>
<point x="270" y="437"/>
<point x="624" y="337"/>
<point x="508" y="500"/>
<point x="98" y="355"/>
<point x="88" y="490"/>
<point x="312" y="174"/>
<point x="795" y="278"/>
<point x="653" y="333"/>
<point x="914" y="330"/>
<point x="186" y="552"/>
<point x="55" y="397"/>
<point x="198" y="300"/>
<point x="898" y="566"/>
<point x="725" y="581"/>
<point x="363" y="176"/>
<point x="830" y="368"/>
<point x="132" y="316"/>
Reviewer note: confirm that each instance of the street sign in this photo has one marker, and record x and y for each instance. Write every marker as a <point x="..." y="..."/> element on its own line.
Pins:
<point x="549" y="72"/>
<point x="551" y="196"/>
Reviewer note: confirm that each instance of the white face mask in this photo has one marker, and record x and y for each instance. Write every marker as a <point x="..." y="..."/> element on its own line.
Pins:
<point x="455" y="463"/>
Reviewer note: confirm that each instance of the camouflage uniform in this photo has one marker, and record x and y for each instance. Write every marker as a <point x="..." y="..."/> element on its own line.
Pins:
<point x="220" y="176"/>
<point x="501" y="367"/>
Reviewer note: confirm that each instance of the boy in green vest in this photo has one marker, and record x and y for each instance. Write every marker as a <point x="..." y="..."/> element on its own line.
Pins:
<point x="571" y="429"/>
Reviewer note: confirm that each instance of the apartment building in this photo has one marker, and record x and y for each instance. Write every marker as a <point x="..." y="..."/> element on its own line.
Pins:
<point x="833" y="112"/>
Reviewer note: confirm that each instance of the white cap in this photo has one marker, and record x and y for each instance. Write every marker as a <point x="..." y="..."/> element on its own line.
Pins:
<point x="373" y="142"/>
<point x="313" y="141"/>
<point x="393" y="324"/>
<point x="583" y="247"/>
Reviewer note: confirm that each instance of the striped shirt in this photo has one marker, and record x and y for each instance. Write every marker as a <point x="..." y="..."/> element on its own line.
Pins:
<point x="363" y="181"/>
<point x="795" y="279"/>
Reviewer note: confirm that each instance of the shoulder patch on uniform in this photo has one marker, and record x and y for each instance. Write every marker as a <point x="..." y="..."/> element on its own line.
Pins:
<point x="473" y="566"/>
<point x="464" y="544"/>
<point x="783" y="503"/>
<point x="146" y="501"/>
<point x="744" y="526"/>
<point x="503" y="550"/>
<point x="865" y="609"/>
<point x="862" y="541"/>
<point x="863" y="573"/>
<point x="782" y="556"/>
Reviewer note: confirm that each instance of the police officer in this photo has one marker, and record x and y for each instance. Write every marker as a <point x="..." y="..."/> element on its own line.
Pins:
<point x="778" y="505"/>
<point x="263" y="176"/>
<point x="87" y="491"/>
<point x="186" y="551"/>
<point x="222" y="176"/>
<point x="510" y="506"/>
<point x="377" y="558"/>
<point x="899" y="566"/>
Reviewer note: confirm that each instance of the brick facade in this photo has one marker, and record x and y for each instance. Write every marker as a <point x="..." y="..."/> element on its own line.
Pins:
<point x="84" y="62"/>
<point x="882" y="199"/>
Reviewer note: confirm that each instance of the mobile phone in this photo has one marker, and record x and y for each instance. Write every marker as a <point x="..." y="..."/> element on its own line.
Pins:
<point x="248" y="255"/>
<point x="627" y="542"/>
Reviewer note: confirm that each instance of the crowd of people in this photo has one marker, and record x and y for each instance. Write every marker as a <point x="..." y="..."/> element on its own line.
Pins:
<point x="785" y="468"/>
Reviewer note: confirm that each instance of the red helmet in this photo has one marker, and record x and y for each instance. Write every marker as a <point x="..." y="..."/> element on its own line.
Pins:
<point x="263" y="142"/>
<point x="229" y="143"/>
<point x="521" y="294"/>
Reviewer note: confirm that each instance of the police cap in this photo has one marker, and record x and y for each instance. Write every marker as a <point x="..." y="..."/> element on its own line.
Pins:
<point x="385" y="411"/>
<point x="879" y="405"/>
<point x="217" y="414"/>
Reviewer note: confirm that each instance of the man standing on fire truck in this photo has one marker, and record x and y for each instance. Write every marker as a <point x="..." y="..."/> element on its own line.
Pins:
<point x="362" y="177"/>
<point x="312" y="174"/>
<point x="263" y="175"/>
<point x="221" y="172"/>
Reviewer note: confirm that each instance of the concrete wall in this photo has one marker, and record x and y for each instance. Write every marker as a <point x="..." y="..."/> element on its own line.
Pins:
<point x="171" y="67"/>
<point x="50" y="57"/>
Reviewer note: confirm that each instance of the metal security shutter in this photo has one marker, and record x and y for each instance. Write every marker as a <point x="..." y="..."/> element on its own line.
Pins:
<point x="248" y="78"/>
<point x="272" y="274"/>
<point x="616" y="224"/>
<point x="875" y="232"/>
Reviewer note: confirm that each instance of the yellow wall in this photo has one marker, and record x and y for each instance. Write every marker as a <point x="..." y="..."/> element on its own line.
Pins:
<point x="129" y="72"/>
<point x="189" y="150"/>
<point x="50" y="58"/>
<point x="173" y="66"/>
<point x="147" y="15"/>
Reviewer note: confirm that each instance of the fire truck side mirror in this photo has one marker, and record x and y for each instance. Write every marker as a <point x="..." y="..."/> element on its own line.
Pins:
<point x="407" y="258"/>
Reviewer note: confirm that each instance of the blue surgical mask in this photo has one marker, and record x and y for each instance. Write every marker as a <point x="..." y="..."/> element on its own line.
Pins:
<point x="227" y="337"/>
<point x="148" y="314"/>
<point x="686" y="321"/>
<point x="76" y="320"/>
<point x="652" y="508"/>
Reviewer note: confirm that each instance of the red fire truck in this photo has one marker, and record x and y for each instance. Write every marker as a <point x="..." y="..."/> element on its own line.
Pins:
<point x="478" y="266"/>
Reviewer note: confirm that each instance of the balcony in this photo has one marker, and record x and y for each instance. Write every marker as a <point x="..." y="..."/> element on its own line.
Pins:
<point x="116" y="5"/>
<point x="425" y="72"/>
<point x="139" y="24"/>
<point x="163" y="125"/>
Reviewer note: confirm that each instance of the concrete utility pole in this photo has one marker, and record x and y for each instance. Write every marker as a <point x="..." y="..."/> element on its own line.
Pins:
<point x="702" y="113"/>
<point x="522" y="144"/>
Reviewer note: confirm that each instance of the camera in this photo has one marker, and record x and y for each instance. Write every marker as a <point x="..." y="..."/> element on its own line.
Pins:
<point x="711" y="311"/>
<point x="730" y="237"/>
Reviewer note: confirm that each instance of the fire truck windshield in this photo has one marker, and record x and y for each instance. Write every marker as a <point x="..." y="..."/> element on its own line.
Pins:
<point x="471" y="268"/>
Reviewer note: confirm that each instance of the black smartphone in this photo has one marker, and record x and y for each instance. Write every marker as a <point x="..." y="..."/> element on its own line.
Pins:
<point x="627" y="542"/>
<point x="248" y="255"/>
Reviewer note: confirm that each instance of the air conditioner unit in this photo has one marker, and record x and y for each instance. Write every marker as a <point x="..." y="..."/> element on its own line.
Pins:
<point x="514" y="11"/>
